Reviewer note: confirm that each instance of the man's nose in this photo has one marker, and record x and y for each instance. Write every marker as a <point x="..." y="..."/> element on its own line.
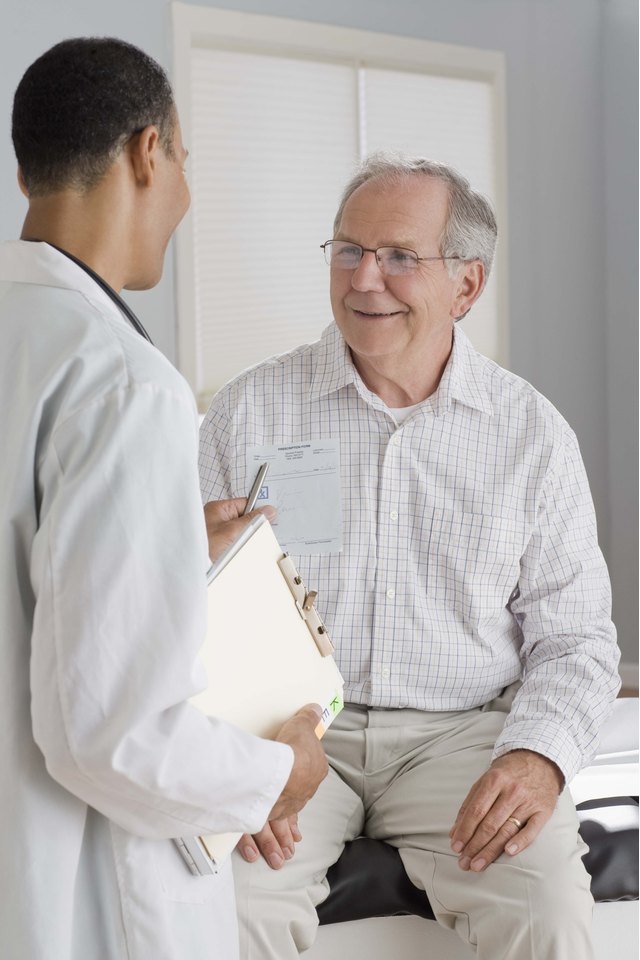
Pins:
<point x="368" y="275"/>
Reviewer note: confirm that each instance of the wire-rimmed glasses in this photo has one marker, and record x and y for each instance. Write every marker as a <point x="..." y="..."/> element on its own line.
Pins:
<point x="392" y="261"/>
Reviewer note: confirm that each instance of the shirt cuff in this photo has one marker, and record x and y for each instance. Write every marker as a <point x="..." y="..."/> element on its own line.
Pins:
<point x="546" y="737"/>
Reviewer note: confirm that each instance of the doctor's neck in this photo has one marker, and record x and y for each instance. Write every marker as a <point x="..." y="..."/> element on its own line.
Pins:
<point x="92" y="225"/>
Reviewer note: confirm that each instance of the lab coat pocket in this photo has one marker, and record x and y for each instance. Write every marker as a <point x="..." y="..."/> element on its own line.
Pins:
<point x="154" y="870"/>
<point x="176" y="879"/>
<point x="167" y="912"/>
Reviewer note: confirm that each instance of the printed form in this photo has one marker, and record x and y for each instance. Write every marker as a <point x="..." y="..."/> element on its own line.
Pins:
<point x="303" y="484"/>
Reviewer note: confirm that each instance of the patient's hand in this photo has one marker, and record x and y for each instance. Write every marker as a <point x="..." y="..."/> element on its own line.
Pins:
<point x="225" y="522"/>
<point x="522" y="785"/>
<point x="275" y="842"/>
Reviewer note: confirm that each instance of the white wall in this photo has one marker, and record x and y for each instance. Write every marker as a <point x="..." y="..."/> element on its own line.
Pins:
<point x="572" y="133"/>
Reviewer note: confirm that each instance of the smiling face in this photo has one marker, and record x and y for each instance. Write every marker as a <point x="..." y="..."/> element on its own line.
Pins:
<point x="397" y="322"/>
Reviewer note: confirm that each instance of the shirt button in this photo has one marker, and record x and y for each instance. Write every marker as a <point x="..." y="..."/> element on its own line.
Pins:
<point x="394" y="515"/>
<point x="386" y="673"/>
<point x="391" y="594"/>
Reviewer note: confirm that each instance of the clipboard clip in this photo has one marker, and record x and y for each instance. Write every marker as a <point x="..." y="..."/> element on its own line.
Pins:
<point x="305" y="605"/>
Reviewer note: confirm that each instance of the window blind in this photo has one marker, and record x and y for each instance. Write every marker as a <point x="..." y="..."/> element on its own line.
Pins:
<point x="273" y="142"/>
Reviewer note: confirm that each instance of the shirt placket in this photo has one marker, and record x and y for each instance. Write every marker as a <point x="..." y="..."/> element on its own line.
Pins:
<point x="386" y="681"/>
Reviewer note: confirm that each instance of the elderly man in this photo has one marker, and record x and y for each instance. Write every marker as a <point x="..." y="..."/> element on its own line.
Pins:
<point x="470" y="563"/>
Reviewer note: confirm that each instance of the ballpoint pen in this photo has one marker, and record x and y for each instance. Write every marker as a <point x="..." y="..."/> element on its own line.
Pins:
<point x="255" y="489"/>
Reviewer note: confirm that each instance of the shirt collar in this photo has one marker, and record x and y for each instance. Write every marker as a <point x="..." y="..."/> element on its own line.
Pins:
<point x="463" y="379"/>
<point x="334" y="367"/>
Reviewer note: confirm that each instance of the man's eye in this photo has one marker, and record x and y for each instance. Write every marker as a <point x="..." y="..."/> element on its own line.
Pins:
<point x="400" y="256"/>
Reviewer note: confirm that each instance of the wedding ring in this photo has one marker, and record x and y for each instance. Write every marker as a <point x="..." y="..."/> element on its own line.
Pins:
<point x="516" y="821"/>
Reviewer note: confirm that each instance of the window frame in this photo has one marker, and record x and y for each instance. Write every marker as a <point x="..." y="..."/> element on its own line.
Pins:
<point x="216" y="29"/>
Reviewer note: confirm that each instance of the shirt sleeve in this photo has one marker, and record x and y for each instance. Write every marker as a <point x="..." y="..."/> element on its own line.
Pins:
<point x="217" y="446"/>
<point x="563" y="606"/>
<point x="118" y="568"/>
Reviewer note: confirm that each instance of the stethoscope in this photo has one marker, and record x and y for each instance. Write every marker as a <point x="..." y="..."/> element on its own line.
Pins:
<point x="124" y="307"/>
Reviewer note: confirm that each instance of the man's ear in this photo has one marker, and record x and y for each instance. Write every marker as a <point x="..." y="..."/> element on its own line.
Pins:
<point x="142" y="151"/>
<point x="469" y="286"/>
<point x="22" y="184"/>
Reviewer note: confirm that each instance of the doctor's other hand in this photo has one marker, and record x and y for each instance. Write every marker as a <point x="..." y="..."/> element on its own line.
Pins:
<point x="225" y="522"/>
<point x="276" y="841"/>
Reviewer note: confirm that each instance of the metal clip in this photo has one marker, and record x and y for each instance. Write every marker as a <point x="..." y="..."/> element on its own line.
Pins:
<point x="305" y="605"/>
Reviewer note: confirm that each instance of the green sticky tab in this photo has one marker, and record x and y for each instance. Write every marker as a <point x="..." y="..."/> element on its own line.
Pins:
<point x="336" y="704"/>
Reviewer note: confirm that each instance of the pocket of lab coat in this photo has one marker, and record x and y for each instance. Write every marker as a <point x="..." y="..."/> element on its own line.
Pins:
<point x="166" y="911"/>
<point x="153" y="871"/>
<point x="177" y="881"/>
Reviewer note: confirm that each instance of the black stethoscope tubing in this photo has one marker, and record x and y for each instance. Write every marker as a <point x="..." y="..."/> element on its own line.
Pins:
<point x="124" y="307"/>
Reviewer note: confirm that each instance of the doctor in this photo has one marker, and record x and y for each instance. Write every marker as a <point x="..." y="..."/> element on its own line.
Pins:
<point x="103" y="550"/>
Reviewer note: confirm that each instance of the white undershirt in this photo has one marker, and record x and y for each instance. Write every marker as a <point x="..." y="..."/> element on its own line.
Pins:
<point x="401" y="413"/>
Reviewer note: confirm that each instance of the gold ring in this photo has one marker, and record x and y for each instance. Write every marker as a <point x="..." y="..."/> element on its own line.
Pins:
<point x="516" y="821"/>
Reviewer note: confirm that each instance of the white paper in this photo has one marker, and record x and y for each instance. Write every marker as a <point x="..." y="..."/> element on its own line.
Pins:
<point x="303" y="484"/>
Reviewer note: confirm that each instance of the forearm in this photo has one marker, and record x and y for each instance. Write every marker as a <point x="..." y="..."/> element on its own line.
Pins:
<point x="569" y="686"/>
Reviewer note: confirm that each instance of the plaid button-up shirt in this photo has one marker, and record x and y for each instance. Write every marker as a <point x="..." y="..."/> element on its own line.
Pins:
<point x="470" y="554"/>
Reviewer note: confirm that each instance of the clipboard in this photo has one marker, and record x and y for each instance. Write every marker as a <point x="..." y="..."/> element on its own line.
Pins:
<point x="261" y="620"/>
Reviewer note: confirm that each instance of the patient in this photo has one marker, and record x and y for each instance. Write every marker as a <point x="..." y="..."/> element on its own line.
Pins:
<point x="470" y="562"/>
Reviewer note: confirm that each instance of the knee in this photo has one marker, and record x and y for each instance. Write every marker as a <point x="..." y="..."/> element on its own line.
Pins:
<point x="560" y="894"/>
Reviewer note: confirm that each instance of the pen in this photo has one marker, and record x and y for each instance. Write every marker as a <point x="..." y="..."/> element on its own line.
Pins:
<point x="255" y="489"/>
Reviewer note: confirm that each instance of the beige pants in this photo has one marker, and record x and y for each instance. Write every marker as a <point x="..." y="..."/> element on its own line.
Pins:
<point x="400" y="776"/>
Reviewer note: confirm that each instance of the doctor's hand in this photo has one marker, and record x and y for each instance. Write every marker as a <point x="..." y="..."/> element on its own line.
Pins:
<point x="506" y="808"/>
<point x="225" y="522"/>
<point x="276" y="841"/>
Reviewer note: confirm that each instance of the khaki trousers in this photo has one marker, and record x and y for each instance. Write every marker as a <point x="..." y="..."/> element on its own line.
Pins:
<point x="401" y="776"/>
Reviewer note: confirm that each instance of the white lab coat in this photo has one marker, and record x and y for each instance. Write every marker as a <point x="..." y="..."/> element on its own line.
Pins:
<point x="102" y="610"/>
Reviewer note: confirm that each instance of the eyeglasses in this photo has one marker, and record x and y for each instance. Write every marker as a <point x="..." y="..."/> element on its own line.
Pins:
<point x="392" y="261"/>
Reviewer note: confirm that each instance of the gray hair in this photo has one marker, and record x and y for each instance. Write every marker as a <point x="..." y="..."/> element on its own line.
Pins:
<point x="470" y="230"/>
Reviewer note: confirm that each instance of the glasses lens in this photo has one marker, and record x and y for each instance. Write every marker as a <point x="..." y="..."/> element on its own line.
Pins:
<point x="396" y="261"/>
<point x="343" y="255"/>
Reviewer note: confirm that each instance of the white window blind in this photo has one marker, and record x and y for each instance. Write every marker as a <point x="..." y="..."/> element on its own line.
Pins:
<point x="273" y="140"/>
<point x="275" y="128"/>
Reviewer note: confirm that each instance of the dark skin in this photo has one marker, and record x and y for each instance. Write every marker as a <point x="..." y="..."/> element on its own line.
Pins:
<point x="122" y="226"/>
<point x="225" y="522"/>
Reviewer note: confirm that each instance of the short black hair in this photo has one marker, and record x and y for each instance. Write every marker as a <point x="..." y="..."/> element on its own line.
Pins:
<point x="77" y="106"/>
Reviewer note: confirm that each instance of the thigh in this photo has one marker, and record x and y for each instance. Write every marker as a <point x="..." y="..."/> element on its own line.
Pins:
<point x="416" y="812"/>
<point x="444" y="758"/>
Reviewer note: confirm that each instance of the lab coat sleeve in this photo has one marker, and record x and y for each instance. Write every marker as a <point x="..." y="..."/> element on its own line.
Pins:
<point x="117" y="568"/>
